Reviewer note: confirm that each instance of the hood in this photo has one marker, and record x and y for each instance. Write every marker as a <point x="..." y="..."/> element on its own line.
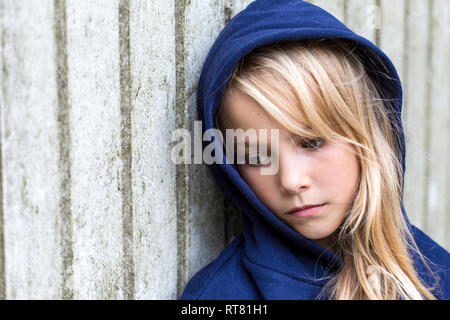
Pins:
<point x="264" y="22"/>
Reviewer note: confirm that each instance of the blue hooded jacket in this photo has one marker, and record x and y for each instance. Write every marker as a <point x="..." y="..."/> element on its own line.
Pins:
<point x="269" y="259"/>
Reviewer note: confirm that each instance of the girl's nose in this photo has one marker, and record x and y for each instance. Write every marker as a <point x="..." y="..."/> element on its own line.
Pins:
<point x="293" y="173"/>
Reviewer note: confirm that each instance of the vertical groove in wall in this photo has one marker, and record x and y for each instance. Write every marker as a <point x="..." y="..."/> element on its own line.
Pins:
<point x="379" y="20"/>
<point x="227" y="12"/>
<point x="182" y="172"/>
<point x="63" y="109"/>
<point x="406" y="43"/>
<point x="405" y="80"/>
<point x="126" y="150"/>
<point x="2" y="243"/>
<point x="345" y="12"/>
<point x="428" y="107"/>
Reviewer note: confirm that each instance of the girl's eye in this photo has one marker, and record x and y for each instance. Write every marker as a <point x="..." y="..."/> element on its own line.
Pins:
<point x="257" y="160"/>
<point x="312" y="143"/>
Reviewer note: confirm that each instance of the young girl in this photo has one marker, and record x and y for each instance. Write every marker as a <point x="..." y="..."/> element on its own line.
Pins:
<point x="330" y="222"/>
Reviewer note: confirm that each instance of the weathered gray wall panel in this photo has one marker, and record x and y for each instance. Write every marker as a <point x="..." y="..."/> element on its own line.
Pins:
<point x="152" y="46"/>
<point x="96" y="169"/>
<point x="30" y="150"/>
<point x="362" y="17"/>
<point x="438" y="207"/>
<point x="416" y="107"/>
<point x="393" y="33"/>
<point x="335" y="7"/>
<point x="2" y="242"/>
<point x="204" y="20"/>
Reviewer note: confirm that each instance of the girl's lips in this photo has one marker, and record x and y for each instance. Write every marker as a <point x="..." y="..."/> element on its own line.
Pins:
<point x="311" y="211"/>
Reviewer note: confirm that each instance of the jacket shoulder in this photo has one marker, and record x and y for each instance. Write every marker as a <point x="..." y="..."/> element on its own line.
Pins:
<point x="225" y="278"/>
<point x="438" y="260"/>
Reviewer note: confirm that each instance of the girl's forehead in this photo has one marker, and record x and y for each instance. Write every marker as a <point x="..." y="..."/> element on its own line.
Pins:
<point x="242" y="111"/>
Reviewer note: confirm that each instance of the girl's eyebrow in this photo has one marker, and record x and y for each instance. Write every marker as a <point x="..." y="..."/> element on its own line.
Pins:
<point x="295" y="135"/>
<point x="246" y="142"/>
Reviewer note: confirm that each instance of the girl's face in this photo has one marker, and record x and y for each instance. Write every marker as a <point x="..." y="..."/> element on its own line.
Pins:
<point x="327" y="175"/>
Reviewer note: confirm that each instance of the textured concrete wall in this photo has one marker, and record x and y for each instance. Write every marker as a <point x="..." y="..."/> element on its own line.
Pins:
<point x="34" y="167"/>
<point x="91" y="205"/>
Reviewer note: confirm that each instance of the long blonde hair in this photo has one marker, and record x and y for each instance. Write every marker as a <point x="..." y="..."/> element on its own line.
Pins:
<point x="325" y="83"/>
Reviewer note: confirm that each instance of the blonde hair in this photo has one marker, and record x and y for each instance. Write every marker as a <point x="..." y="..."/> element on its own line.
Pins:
<point x="324" y="84"/>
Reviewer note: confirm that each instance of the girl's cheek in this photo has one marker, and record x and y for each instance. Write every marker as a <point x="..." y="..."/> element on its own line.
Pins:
<point x="262" y="185"/>
<point x="338" y="170"/>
